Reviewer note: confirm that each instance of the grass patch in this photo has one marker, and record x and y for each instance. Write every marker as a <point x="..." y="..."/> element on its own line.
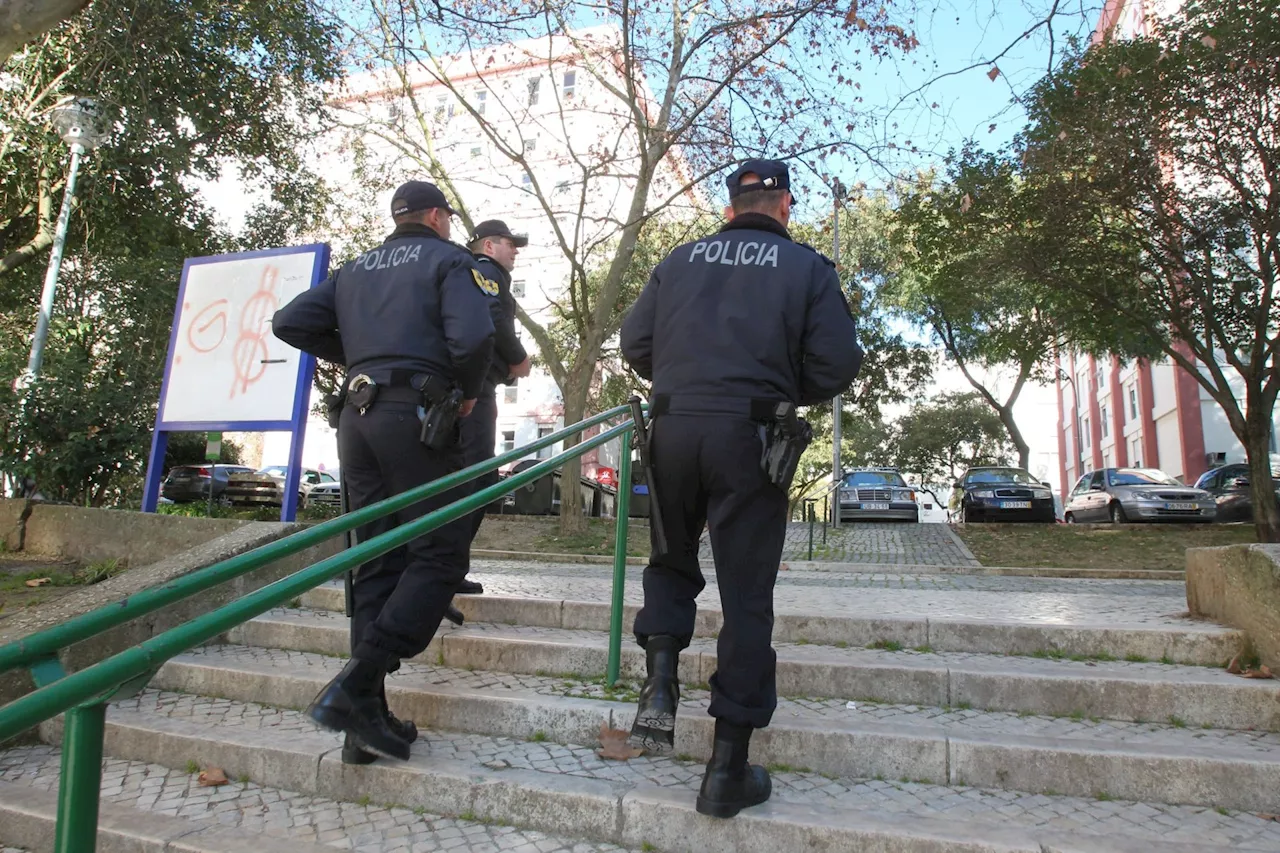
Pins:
<point x="1177" y="722"/>
<point x="925" y="650"/>
<point x="1103" y="797"/>
<point x="886" y="645"/>
<point x="192" y="768"/>
<point x="539" y="737"/>
<point x="1130" y="548"/>
<point x="1224" y="812"/>
<point x="1136" y="659"/>
<point x="1077" y="716"/>
<point x="364" y="801"/>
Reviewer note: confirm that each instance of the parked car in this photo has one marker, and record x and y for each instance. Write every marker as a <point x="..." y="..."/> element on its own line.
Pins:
<point x="253" y="487"/>
<point x="1231" y="491"/>
<point x="877" y="494"/>
<point x="1121" y="495"/>
<point x="309" y="478"/>
<point x="187" y="483"/>
<point x="998" y="493"/>
<point x="327" y="494"/>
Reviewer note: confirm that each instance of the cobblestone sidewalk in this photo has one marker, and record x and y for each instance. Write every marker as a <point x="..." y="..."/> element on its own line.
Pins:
<point x="872" y="542"/>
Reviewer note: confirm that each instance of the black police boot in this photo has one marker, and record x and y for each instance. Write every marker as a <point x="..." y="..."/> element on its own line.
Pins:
<point x="404" y="729"/>
<point x="654" y="729"/>
<point x="470" y="588"/>
<point x="731" y="784"/>
<point x="352" y="703"/>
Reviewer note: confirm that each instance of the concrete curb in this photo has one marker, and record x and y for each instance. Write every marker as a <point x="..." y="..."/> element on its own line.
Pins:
<point x="576" y="806"/>
<point x="28" y="816"/>
<point x="1197" y="644"/>
<point x="1186" y="773"/>
<point x="876" y="568"/>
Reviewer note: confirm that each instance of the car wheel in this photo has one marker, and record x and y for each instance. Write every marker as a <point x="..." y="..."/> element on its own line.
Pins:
<point x="1117" y="513"/>
<point x="1069" y="518"/>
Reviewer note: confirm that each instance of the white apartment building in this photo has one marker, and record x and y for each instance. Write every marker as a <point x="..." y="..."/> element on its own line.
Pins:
<point x="538" y="98"/>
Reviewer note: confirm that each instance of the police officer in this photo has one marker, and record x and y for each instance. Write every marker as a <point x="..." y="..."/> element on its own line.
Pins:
<point x="495" y="249"/>
<point x="727" y="328"/>
<point x="409" y="315"/>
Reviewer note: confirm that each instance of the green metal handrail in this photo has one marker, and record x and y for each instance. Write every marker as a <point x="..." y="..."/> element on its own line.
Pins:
<point x="38" y="650"/>
<point x="84" y="694"/>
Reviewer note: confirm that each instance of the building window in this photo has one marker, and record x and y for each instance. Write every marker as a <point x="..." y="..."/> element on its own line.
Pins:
<point x="508" y="440"/>
<point x="549" y="451"/>
<point x="570" y="83"/>
<point x="533" y="90"/>
<point x="517" y="288"/>
<point x="1102" y="377"/>
<point x="562" y="187"/>
<point x="1106" y="429"/>
<point x="395" y="114"/>
<point x="1084" y="433"/>
<point x="1135" y="453"/>
<point x="477" y="149"/>
<point x="482" y="98"/>
<point x="512" y="392"/>
<point x="531" y="145"/>
<point x="442" y="104"/>
<point x="526" y="181"/>
<point x="1133" y="403"/>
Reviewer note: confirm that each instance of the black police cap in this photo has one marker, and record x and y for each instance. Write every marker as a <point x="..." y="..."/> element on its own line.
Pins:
<point x="773" y="175"/>
<point x="418" y="195"/>
<point x="497" y="228"/>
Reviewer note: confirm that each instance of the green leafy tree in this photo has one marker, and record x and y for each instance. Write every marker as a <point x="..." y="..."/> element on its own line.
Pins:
<point x="943" y="436"/>
<point x="1154" y="163"/>
<point x="188" y="89"/>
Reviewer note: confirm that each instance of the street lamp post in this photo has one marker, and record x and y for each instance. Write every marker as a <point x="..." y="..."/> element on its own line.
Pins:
<point x="77" y="121"/>
<point x="837" y="405"/>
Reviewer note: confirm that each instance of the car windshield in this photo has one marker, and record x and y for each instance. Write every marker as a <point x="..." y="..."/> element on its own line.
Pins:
<point x="1139" y="477"/>
<point x="874" y="478"/>
<point x="1001" y="475"/>
<point x="275" y="470"/>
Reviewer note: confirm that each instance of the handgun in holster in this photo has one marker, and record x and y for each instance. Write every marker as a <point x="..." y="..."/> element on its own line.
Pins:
<point x="439" y="413"/>
<point x="785" y="438"/>
<point x="333" y="404"/>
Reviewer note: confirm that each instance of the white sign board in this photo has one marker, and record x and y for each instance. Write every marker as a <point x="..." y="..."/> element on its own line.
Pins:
<point x="225" y="366"/>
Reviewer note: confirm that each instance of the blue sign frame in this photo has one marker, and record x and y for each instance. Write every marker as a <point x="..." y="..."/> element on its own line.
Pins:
<point x="297" y="423"/>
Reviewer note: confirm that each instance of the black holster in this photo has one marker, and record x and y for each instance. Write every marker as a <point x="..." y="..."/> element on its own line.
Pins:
<point x="786" y="437"/>
<point x="441" y="407"/>
<point x="333" y="404"/>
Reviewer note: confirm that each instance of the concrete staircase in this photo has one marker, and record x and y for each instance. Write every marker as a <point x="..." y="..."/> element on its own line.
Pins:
<point x="914" y="722"/>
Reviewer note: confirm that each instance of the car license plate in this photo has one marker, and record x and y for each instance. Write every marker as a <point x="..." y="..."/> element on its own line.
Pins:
<point x="875" y="506"/>
<point x="1182" y="506"/>
<point x="1015" y="504"/>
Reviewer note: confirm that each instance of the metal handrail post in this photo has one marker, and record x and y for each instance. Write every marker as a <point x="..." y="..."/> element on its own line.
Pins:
<point x="613" y="670"/>
<point x="81" y="783"/>
<point x="810" y="532"/>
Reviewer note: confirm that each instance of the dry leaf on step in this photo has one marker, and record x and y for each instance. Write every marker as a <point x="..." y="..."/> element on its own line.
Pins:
<point x="213" y="777"/>
<point x="1234" y="666"/>
<point x="35" y="582"/>
<point x="1275" y="817"/>
<point x="613" y="745"/>
<point x="1260" y="672"/>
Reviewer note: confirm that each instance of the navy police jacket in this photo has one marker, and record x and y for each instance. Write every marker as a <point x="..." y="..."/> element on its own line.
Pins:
<point x="415" y="303"/>
<point x="744" y="313"/>
<point x="507" y="349"/>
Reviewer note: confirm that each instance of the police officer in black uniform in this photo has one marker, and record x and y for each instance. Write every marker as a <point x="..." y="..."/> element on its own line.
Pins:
<point x="411" y="321"/>
<point x="734" y="330"/>
<point x="495" y="249"/>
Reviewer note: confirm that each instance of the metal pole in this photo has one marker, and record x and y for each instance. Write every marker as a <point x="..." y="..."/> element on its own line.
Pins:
<point x="623" y="513"/>
<point x="55" y="264"/>
<point x="837" y="405"/>
<point x="81" y="781"/>
<point x="810" y="506"/>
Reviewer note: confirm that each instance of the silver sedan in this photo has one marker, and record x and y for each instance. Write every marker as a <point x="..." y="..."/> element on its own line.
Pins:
<point x="1121" y="495"/>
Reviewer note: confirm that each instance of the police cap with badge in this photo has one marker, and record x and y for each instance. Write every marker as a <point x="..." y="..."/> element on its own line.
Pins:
<point x="771" y="175"/>
<point x="497" y="228"/>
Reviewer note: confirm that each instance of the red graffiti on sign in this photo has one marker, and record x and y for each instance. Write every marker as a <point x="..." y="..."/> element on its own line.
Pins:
<point x="250" y="352"/>
<point x="208" y="329"/>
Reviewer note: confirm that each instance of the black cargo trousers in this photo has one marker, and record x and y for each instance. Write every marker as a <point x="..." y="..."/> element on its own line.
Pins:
<point x="401" y="597"/>
<point x="479" y="435"/>
<point x="708" y="473"/>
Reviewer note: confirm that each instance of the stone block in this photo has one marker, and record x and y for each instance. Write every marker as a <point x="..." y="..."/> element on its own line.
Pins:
<point x="1239" y="585"/>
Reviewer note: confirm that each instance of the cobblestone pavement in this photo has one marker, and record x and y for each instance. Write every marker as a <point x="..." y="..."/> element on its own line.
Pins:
<point x="872" y="542"/>
<point x="370" y="828"/>
<point x="920" y="798"/>
<point x="959" y="722"/>
<point x="1060" y="601"/>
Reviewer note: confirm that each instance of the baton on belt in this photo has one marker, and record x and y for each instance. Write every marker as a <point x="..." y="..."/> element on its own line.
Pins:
<point x="349" y="580"/>
<point x="640" y="439"/>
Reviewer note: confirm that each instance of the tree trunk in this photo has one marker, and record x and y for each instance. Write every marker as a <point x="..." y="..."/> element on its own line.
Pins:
<point x="1015" y="434"/>
<point x="572" y="521"/>
<point x="1266" y="507"/>
<point x="23" y="20"/>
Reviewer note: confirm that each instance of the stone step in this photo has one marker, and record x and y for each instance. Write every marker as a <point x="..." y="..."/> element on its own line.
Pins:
<point x="1183" y="641"/>
<point x="1116" y="690"/>
<point x="648" y="802"/>
<point x="28" y="815"/>
<point x="1155" y="762"/>
<point x="142" y="802"/>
